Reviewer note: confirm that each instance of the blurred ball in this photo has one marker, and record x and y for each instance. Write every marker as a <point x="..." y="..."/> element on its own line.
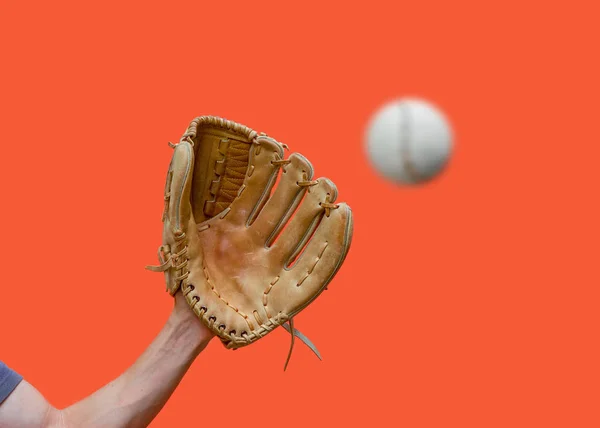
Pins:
<point x="409" y="141"/>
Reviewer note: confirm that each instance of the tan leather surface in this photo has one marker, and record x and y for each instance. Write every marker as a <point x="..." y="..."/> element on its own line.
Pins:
<point x="248" y="255"/>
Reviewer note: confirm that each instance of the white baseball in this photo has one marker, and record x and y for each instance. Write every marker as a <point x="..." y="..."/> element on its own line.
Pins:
<point x="409" y="141"/>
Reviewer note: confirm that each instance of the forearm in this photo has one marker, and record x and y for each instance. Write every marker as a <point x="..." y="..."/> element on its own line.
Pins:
<point x="136" y="397"/>
<point x="131" y="400"/>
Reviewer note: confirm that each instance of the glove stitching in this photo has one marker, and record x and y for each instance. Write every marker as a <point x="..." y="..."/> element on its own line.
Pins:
<point x="267" y="327"/>
<point x="274" y="281"/>
<point x="212" y="287"/>
<point x="266" y="294"/>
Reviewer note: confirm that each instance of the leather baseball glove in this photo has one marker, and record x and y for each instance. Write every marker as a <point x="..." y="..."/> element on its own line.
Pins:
<point x="249" y="237"/>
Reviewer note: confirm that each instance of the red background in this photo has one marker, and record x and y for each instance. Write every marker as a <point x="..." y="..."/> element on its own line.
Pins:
<point x="469" y="302"/>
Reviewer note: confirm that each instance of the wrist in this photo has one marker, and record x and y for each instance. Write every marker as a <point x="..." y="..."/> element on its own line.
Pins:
<point x="187" y="324"/>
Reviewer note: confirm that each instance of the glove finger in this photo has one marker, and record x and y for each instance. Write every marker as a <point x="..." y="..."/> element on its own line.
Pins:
<point x="180" y="176"/>
<point x="308" y="214"/>
<point x="285" y="199"/>
<point x="260" y="178"/>
<point x="317" y="264"/>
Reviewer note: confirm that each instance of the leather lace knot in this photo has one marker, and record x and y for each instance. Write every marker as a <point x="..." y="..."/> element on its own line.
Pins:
<point x="328" y="207"/>
<point x="169" y="260"/>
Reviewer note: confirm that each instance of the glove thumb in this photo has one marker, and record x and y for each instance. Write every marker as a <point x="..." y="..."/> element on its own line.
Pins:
<point x="178" y="187"/>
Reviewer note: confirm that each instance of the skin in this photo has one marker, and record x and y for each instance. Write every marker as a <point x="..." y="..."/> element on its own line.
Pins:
<point x="134" y="398"/>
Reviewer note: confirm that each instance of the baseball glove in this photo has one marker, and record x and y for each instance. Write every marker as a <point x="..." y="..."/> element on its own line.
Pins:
<point x="249" y="237"/>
